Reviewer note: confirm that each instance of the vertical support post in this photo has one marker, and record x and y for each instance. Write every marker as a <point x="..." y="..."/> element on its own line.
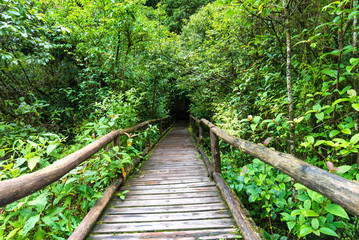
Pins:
<point x="200" y="133"/>
<point x="117" y="141"/>
<point x="216" y="155"/>
<point x="148" y="142"/>
<point x="161" y="127"/>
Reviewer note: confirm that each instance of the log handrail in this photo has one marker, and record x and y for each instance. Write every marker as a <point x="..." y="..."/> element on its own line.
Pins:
<point x="17" y="188"/>
<point x="340" y="190"/>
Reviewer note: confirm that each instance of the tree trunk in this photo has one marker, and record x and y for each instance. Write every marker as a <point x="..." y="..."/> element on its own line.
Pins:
<point x="289" y="88"/>
<point x="355" y="78"/>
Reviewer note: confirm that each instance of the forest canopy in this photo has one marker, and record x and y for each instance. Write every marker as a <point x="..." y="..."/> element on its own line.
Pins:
<point x="283" y="73"/>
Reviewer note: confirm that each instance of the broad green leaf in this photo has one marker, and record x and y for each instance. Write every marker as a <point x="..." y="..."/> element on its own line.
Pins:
<point x="315" y="223"/>
<point x="343" y="169"/>
<point x="328" y="231"/>
<point x="317" y="107"/>
<point x="346" y="131"/>
<point x="32" y="162"/>
<point x="12" y="234"/>
<point x="40" y="235"/>
<point x="295" y="212"/>
<point x="310" y="139"/>
<point x="305" y="230"/>
<point x="320" y="116"/>
<point x="310" y="213"/>
<point x="39" y="203"/>
<point x="352" y="14"/>
<point x="50" y="148"/>
<point x="356" y="106"/>
<point x="30" y="224"/>
<point x="333" y="133"/>
<point x="299" y="186"/>
<point x="336" y="210"/>
<point x="340" y="100"/>
<point x="290" y="225"/>
<point x="307" y="204"/>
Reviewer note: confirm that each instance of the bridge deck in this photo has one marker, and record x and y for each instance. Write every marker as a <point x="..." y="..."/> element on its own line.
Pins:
<point x="171" y="197"/>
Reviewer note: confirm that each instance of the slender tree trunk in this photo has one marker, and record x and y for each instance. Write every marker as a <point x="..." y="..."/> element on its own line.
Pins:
<point x="289" y="82"/>
<point x="289" y="88"/>
<point x="355" y="78"/>
<point x="155" y="80"/>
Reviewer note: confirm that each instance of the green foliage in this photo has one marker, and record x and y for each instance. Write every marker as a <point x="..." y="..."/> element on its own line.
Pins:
<point x="234" y="68"/>
<point x="54" y="212"/>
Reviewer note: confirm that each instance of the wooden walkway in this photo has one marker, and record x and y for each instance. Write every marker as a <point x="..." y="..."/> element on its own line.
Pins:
<point x="170" y="197"/>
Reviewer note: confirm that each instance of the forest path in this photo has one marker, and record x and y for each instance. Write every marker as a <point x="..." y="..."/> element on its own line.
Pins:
<point x="170" y="197"/>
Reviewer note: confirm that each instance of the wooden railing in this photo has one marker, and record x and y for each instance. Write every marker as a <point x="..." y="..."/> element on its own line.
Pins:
<point x="17" y="188"/>
<point x="340" y="190"/>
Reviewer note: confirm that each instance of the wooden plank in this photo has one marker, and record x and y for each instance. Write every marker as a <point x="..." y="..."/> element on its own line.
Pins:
<point x="171" y="190"/>
<point x="164" y="217"/>
<point x="177" y="173"/>
<point x="139" y="177"/>
<point x="198" y="234"/>
<point x="174" y="171"/>
<point x="164" y="226"/>
<point x="180" y="167"/>
<point x="165" y="202"/>
<point x="166" y="182"/>
<point x="167" y="209"/>
<point x="160" y="153"/>
<point x="175" y="195"/>
<point x="171" y="186"/>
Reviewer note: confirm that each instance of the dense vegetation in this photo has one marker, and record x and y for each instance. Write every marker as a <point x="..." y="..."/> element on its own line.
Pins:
<point x="282" y="73"/>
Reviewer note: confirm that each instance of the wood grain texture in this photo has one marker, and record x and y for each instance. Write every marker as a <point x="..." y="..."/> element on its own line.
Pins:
<point x="216" y="155"/>
<point x="163" y="226"/>
<point x="170" y="197"/>
<point x="226" y="233"/>
<point x="167" y="209"/>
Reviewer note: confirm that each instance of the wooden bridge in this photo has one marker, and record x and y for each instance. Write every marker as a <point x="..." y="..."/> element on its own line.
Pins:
<point x="176" y="195"/>
<point x="171" y="196"/>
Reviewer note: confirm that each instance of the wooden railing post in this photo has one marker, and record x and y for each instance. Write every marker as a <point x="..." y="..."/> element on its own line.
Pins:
<point x="148" y="142"/>
<point x="117" y="141"/>
<point x="216" y="155"/>
<point x="161" y="127"/>
<point x="200" y="133"/>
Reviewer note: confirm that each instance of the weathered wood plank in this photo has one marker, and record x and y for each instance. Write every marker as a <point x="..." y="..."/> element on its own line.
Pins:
<point x="198" y="234"/>
<point x="165" y="202"/>
<point x="175" y="171"/>
<point x="162" y="178"/>
<point x="175" y="195"/>
<point x="164" y="217"/>
<point x="179" y="168"/>
<point x="167" y="209"/>
<point x="171" y="186"/>
<point x="164" y="226"/>
<point x="166" y="182"/>
<point x="171" y="190"/>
